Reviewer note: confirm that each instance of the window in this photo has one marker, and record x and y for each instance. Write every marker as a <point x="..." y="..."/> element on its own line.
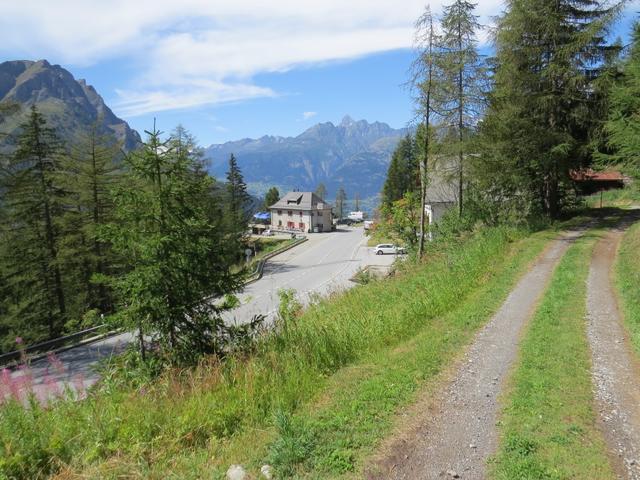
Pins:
<point x="279" y="223"/>
<point x="289" y="213"/>
<point x="301" y="225"/>
<point x="279" y="212"/>
<point x="312" y="214"/>
<point x="300" y="213"/>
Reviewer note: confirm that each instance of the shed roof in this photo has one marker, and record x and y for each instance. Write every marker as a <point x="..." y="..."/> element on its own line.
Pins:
<point x="588" y="174"/>
<point x="300" y="201"/>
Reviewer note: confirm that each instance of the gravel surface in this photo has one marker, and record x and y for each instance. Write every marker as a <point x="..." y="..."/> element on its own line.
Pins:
<point x="456" y="433"/>
<point x="615" y="366"/>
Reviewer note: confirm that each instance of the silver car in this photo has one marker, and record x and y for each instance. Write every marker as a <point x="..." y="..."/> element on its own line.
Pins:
<point x="383" y="248"/>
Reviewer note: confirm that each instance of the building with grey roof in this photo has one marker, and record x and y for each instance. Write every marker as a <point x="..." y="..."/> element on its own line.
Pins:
<point x="301" y="212"/>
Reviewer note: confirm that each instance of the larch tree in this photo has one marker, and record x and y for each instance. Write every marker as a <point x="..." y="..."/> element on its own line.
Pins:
<point x="427" y="81"/>
<point x="180" y="257"/>
<point x="91" y="171"/>
<point x="464" y="82"/>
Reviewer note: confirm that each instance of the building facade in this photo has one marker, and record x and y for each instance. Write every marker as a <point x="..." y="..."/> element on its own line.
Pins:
<point x="301" y="212"/>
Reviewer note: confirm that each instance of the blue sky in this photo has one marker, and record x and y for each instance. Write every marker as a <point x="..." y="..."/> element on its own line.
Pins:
<point x="233" y="69"/>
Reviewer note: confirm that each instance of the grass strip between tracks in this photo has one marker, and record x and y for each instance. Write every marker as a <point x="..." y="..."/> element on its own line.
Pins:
<point x="548" y="428"/>
<point x="627" y="276"/>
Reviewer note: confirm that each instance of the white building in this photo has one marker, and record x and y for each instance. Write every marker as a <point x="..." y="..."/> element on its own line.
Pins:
<point x="358" y="216"/>
<point x="301" y="212"/>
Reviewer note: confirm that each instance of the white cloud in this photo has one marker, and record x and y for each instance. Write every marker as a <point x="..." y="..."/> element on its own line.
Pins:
<point x="196" y="52"/>
<point x="308" y="115"/>
<point x="134" y="103"/>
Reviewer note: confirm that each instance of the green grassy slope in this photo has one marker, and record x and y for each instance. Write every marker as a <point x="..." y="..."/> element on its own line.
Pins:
<point x="314" y="400"/>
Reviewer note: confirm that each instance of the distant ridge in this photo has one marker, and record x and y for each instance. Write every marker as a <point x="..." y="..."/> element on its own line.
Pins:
<point x="68" y="104"/>
<point x="353" y="154"/>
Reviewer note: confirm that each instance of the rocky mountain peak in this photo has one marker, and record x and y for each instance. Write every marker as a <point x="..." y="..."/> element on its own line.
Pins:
<point x="69" y="104"/>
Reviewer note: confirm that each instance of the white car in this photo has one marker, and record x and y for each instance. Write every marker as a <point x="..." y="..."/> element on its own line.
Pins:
<point x="383" y="248"/>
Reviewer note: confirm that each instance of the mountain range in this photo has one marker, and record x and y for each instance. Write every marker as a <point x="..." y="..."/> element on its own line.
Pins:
<point x="69" y="105"/>
<point x="353" y="155"/>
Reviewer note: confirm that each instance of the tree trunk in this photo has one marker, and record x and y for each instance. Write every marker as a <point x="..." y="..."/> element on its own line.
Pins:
<point x="460" y="121"/>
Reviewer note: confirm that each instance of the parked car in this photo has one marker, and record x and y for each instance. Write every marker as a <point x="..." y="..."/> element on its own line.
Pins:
<point x="383" y="248"/>
<point x="267" y="233"/>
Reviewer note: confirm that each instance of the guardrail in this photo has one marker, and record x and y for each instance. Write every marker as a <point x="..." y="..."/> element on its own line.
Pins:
<point x="40" y="349"/>
<point x="257" y="273"/>
<point x="11" y="359"/>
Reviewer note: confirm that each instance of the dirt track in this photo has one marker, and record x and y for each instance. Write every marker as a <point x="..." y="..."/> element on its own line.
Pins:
<point x="455" y="434"/>
<point x="616" y="373"/>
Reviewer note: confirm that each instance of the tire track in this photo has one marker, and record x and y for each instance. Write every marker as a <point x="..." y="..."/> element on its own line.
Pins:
<point x="615" y="371"/>
<point x="457" y="433"/>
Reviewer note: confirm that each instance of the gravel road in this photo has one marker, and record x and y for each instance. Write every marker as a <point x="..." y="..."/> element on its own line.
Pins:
<point x="454" y="436"/>
<point x="615" y="367"/>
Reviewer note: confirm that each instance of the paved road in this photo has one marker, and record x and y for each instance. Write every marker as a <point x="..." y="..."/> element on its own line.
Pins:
<point x="321" y="265"/>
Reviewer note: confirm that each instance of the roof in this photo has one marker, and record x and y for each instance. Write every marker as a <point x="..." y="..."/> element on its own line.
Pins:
<point x="300" y="201"/>
<point x="589" y="175"/>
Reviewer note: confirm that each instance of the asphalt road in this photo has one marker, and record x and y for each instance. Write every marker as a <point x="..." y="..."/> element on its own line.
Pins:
<point x="322" y="265"/>
<point x="319" y="266"/>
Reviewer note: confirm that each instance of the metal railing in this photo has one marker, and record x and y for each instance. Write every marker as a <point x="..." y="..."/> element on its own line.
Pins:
<point x="12" y="358"/>
<point x="257" y="273"/>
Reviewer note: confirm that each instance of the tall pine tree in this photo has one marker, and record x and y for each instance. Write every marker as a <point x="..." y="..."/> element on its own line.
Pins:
<point x="33" y="204"/>
<point x="536" y="128"/>
<point x="180" y="255"/>
<point x="402" y="173"/>
<point x="237" y="200"/>
<point x="622" y="128"/>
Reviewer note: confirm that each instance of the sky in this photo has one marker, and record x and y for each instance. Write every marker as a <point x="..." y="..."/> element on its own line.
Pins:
<point x="235" y="69"/>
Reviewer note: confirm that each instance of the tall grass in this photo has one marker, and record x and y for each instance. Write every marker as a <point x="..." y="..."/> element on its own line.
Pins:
<point x="203" y="413"/>
<point x="627" y="273"/>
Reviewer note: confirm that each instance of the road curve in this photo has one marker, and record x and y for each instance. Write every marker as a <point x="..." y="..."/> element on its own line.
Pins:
<point x="321" y="265"/>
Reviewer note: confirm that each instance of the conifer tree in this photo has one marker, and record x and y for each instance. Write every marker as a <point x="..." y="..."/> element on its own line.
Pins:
<point x="272" y="196"/>
<point x="463" y="81"/>
<point x="341" y="197"/>
<point x="33" y="204"/>
<point x="92" y="170"/>
<point x="238" y="200"/>
<point x="180" y="256"/>
<point x="623" y="123"/>
<point x="321" y="191"/>
<point x="429" y="82"/>
<point x="402" y="173"/>
<point x="534" y="133"/>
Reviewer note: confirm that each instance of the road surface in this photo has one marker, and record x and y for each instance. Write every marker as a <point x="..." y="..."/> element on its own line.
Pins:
<point x="321" y="265"/>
